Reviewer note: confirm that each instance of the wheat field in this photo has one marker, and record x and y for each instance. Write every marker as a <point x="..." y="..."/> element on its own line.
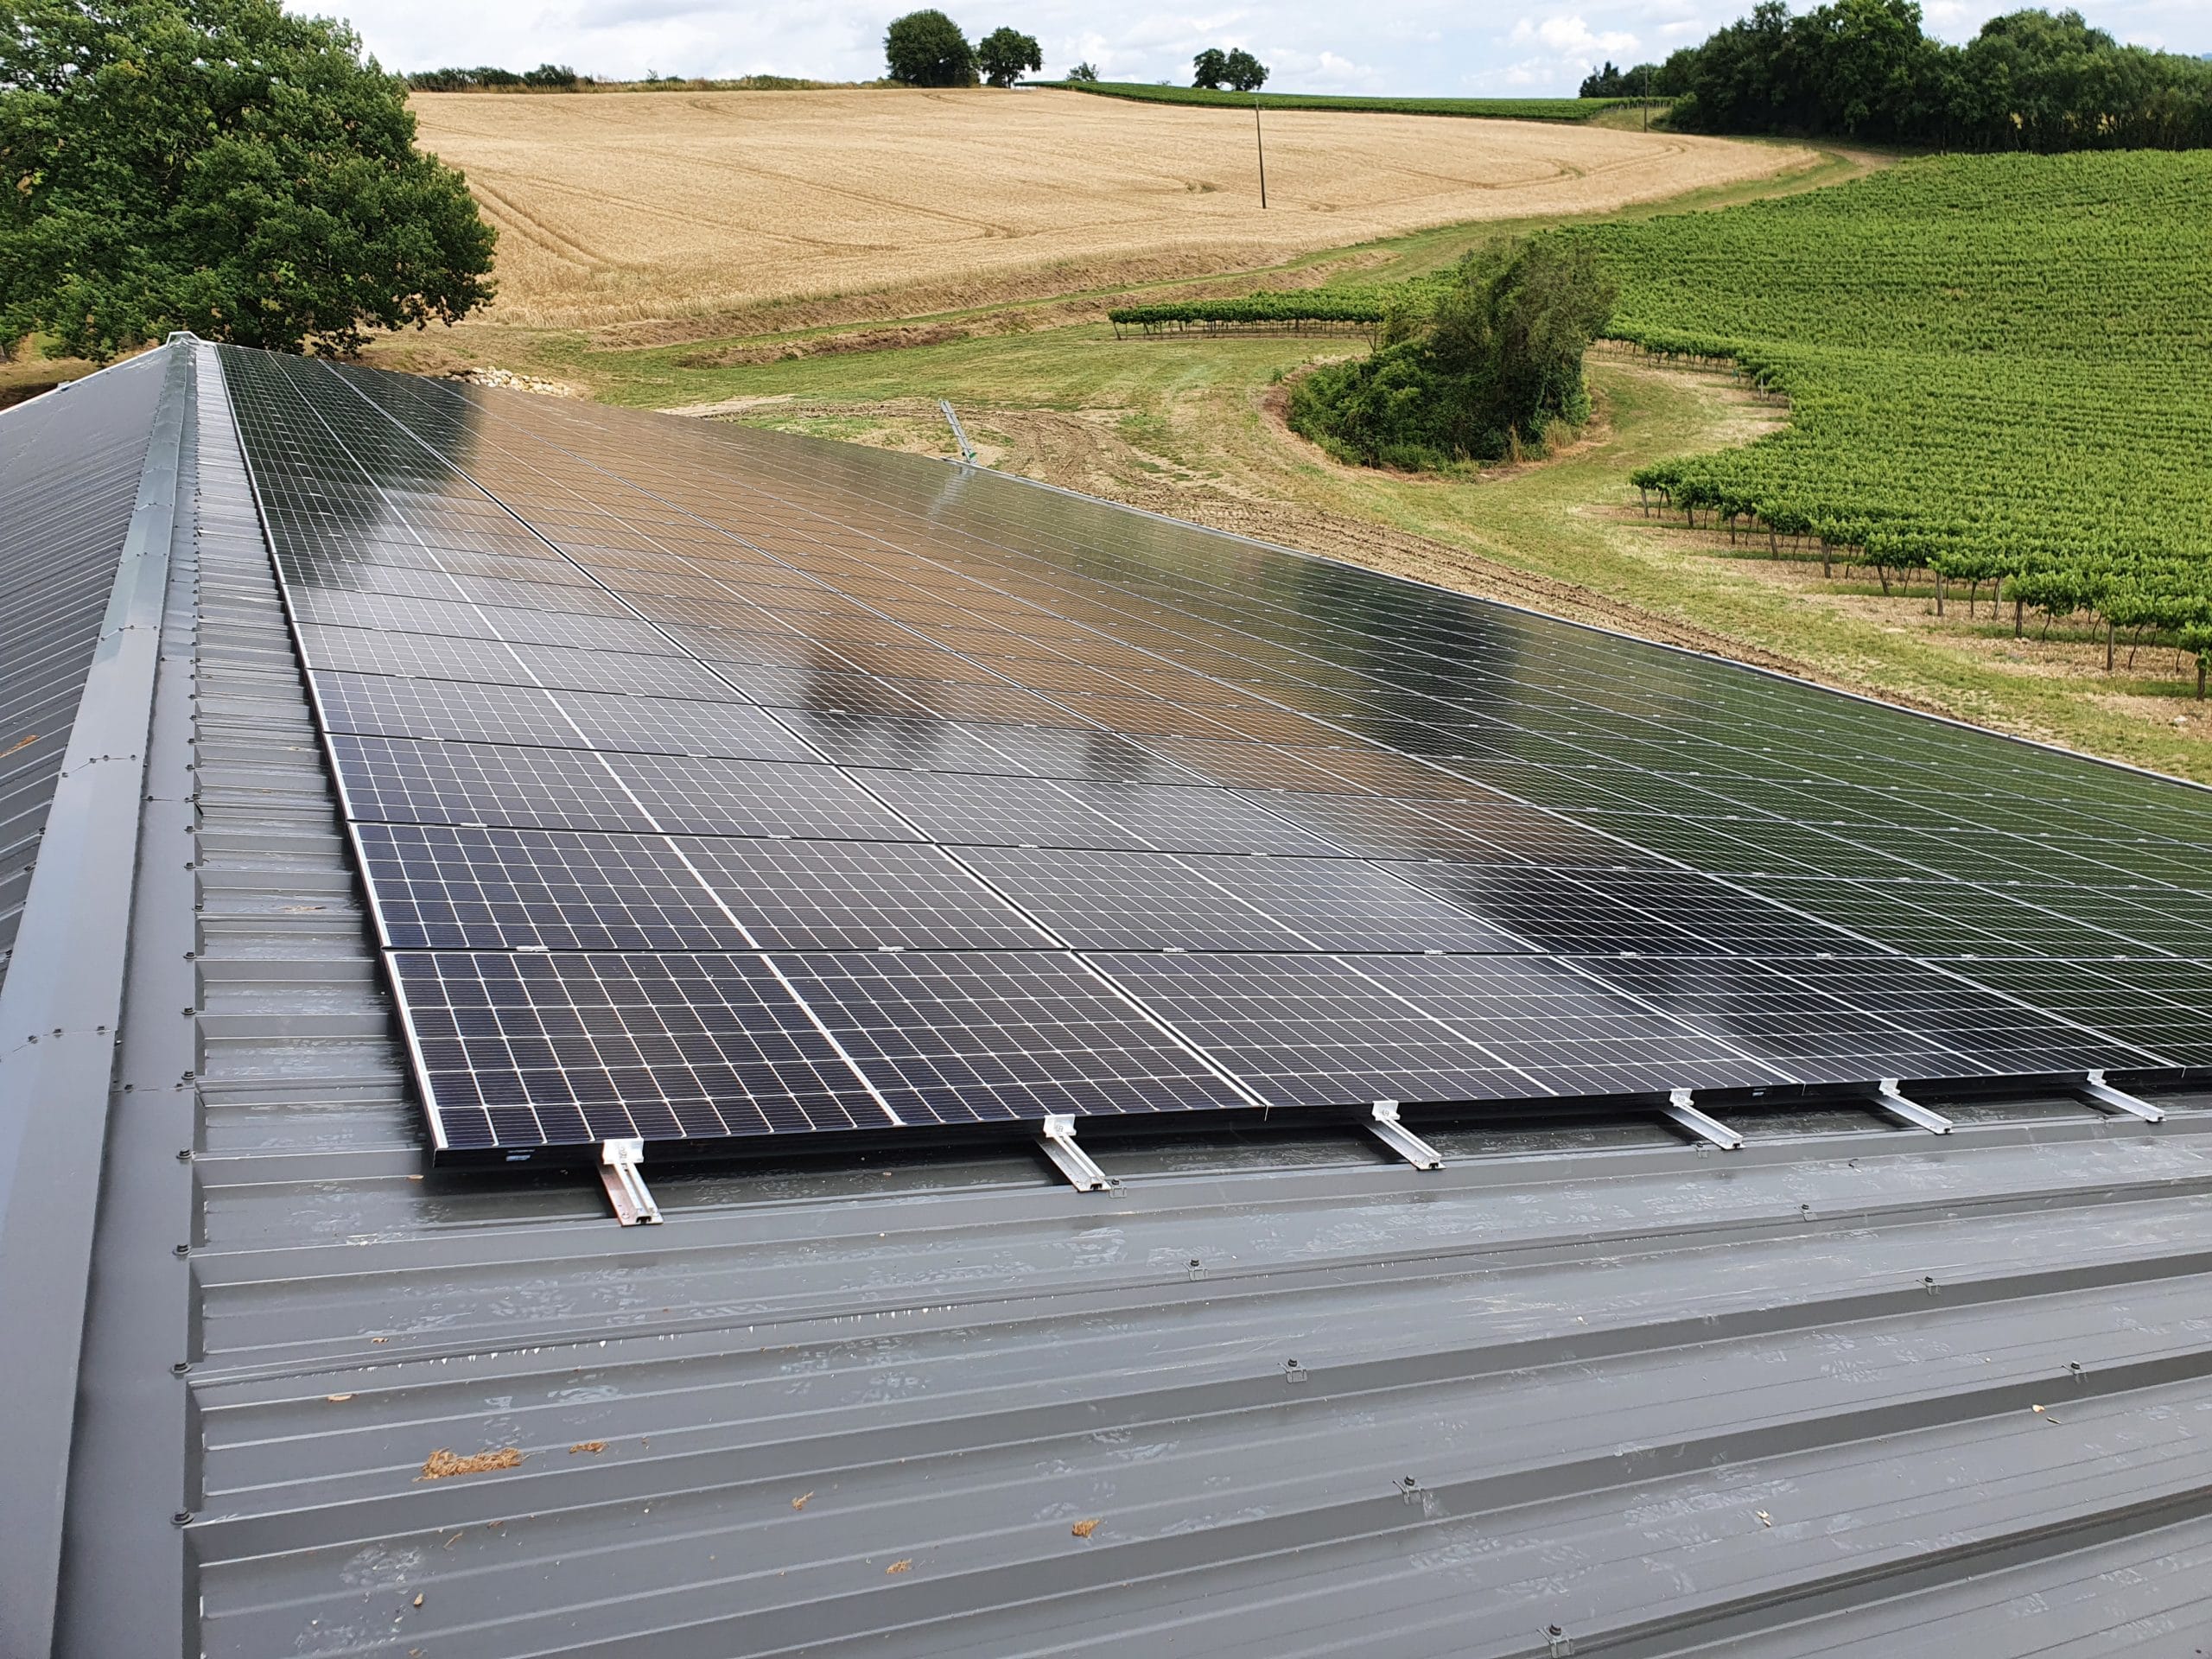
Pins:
<point x="623" y="207"/>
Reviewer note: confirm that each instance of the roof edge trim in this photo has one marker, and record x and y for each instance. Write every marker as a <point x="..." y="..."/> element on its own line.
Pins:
<point x="59" y="1011"/>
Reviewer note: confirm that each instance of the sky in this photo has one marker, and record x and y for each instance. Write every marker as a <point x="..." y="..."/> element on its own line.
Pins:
<point x="1405" y="47"/>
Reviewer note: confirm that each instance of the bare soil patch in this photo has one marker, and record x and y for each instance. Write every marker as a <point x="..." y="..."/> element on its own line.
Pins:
<point x="656" y="207"/>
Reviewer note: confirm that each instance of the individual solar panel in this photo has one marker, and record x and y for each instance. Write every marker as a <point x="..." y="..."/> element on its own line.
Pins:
<point x="1153" y="901"/>
<point x="1046" y="812"/>
<point x="914" y="798"/>
<point x="1316" y="1031"/>
<point x="985" y="1037"/>
<point x="525" y="1052"/>
<point x="365" y="650"/>
<point x="1566" y="1028"/>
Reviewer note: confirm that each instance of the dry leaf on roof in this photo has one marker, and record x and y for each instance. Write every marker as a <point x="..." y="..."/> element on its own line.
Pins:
<point x="593" y="1446"/>
<point x="900" y="1566"/>
<point x="802" y="1500"/>
<point x="1084" y="1529"/>
<point x="443" y="1462"/>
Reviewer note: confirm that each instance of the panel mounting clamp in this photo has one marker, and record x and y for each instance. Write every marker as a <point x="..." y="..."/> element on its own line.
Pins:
<point x="1072" y="1161"/>
<point x="1679" y="1111"/>
<point x="626" y="1187"/>
<point x="1384" y="1126"/>
<point x="1889" y="1097"/>
<point x="2096" y="1089"/>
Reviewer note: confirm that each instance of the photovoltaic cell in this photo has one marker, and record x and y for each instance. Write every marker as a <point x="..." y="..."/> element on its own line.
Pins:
<point x="711" y="783"/>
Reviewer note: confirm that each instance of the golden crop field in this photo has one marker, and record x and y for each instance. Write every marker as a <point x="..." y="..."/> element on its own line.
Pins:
<point x="623" y="207"/>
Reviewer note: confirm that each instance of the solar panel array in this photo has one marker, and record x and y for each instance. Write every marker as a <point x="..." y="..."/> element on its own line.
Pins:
<point x="711" y="783"/>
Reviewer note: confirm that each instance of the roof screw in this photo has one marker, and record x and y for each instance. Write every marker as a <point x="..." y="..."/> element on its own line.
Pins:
<point x="1293" y="1373"/>
<point x="184" y="1250"/>
<point x="181" y="1368"/>
<point x="181" y="1518"/>
<point x="2075" y="1371"/>
<point x="1557" y="1642"/>
<point x="1196" y="1268"/>
<point x="184" y="1155"/>
<point x="1929" y="1284"/>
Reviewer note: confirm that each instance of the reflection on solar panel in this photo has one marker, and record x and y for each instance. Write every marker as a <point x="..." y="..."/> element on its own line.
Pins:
<point x="712" y="784"/>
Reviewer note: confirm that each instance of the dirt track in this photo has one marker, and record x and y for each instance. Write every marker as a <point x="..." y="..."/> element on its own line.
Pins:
<point x="637" y="206"/>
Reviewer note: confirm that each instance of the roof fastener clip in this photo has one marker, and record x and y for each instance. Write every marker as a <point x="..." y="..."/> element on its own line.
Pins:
<point x="1710" y="1131"/>
<point x="1889" y="1097"/>
<point x="2096" y="1089"/>
<point x="1384" y="1126"/>
<point x="1058" y="1141"/>
<point x="625" y="1188"/>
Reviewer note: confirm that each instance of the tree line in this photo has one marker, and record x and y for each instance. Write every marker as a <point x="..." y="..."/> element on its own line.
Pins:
<point x="1864" y="69"/>
<point x="927" y="48"/>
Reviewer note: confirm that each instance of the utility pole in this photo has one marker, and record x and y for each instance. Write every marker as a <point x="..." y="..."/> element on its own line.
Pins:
<point x="1259" y="143"/>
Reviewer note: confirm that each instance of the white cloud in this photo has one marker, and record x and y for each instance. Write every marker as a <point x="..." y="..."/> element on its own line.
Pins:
<point x="1570" y="37"/>
<point x="1405" y="47"/>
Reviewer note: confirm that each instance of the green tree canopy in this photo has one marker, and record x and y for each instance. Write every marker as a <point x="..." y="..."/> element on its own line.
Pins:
<point x="1084" y="71"/>
<point x="1209" y="68"/>
<point x="1004" y="54"/>
<point x="926" y="49"/>
<point x="2030" y="81"/>
<point x="1244" y="72"/>
<point x="1496" y="359"/>
<point x="219" y="166"/>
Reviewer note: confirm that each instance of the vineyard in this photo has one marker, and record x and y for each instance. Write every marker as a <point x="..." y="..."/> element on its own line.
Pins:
<point x="1492" y="109"/>
<point x="1997" y="368"/>
<point x="1270" y="311"/>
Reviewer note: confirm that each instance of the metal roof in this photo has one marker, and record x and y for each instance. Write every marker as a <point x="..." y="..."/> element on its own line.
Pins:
<point x="1587" y="1389"/>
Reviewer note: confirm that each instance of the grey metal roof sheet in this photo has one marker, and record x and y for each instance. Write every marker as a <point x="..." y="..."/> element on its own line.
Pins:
<point x="69" y="468"/>
<point x="1588" y="1388"/>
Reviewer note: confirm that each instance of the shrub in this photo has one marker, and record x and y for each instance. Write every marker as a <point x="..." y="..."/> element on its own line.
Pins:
<point x="1493" y="364"/>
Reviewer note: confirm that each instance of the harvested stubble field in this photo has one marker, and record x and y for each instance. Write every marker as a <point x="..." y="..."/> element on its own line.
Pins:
<point x="630" y="208"/>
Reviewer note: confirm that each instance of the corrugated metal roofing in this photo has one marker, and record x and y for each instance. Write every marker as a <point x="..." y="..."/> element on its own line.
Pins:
<point x="69" y="469"/>
<point x="1853" y="1389"/>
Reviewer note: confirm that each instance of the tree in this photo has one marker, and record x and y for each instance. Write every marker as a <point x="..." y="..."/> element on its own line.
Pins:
<point x="550" y="75"/>
<point x="1209" y="68"/>
<point x="1602" y="83"/>
<point x="1244" y="72"/>
<point x="1083" y="72"/>
<point x="221" y="166"/>
<point x="1004" y="54"/>
<point x="1496" y="363"/>
<point x="926" y="49"/>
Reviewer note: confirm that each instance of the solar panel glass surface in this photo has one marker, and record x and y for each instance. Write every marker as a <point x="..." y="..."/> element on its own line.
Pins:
<point x="721" y="784"/>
